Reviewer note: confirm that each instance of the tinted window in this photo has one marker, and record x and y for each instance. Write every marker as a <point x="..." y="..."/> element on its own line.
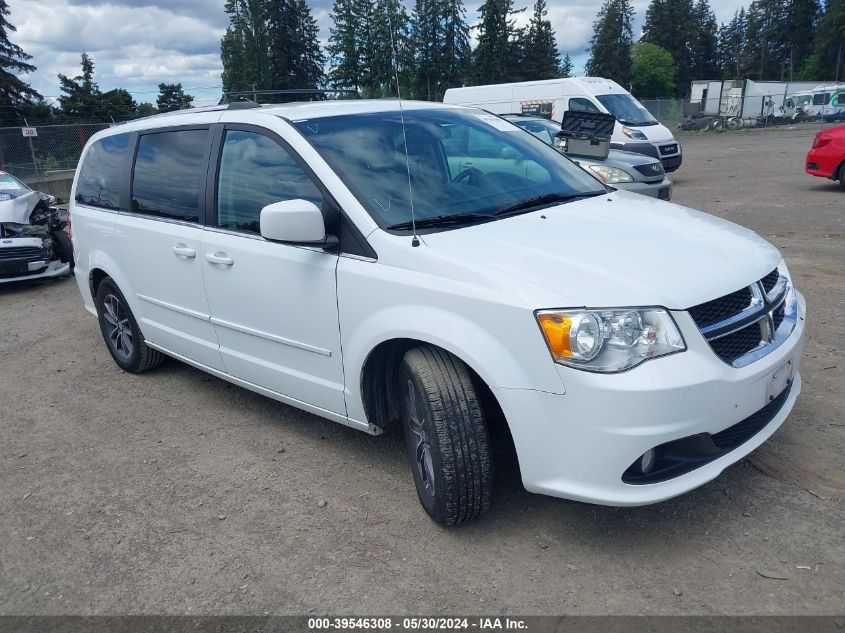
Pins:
<point x="820" y="98"/>
<point x="256" y="171"/>
<point x="460" y="162"/>
<point x="101" y="174"/>
<point x="840" y="98"/>
<point x="169" y="169"/>
<point x="582" y="105"/>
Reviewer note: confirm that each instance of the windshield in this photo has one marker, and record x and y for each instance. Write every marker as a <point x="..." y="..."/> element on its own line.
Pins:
<point x="543" y="130"/>
<point x="627" y="110"/>
<point x="464" y="164"/>
<point x="11" y="187"/>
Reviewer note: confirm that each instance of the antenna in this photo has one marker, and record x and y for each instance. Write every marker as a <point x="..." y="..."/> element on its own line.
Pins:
<point x="415" y="241"/>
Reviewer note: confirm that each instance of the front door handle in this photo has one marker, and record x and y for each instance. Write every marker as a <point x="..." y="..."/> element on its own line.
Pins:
<point x="219" y="258"/>
<point x="183" y="251"/>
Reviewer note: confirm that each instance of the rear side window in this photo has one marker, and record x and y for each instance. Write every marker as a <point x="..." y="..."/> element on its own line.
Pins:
<point x="820" y="98"/>
<point x="168" y="176"/>
<point x="256" y="171"/>
<point x="840" y="98"/>
<point x="101" y="175"/>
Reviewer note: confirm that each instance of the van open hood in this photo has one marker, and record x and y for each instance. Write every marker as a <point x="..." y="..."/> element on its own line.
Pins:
<point x="620" y="249"/>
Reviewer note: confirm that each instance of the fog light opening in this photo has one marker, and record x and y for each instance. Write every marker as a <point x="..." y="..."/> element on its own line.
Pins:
<point x="647" y="461"/>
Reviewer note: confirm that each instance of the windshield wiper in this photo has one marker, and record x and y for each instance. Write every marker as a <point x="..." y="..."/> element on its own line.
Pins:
<point x="546" y="199"/>
<point x="441" y="220"/>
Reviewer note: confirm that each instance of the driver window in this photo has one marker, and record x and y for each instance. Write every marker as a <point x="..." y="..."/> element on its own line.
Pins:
<point x="256" y="171"/>
<point x="580" y="104"/>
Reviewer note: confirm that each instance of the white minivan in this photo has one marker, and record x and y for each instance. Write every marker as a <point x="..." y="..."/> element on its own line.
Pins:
<point x="435" y="269"/>
<point x="636" y="129"/>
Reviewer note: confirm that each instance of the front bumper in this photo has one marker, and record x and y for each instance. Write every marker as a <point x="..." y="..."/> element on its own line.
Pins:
<point x="578" y="445"/>
<point x="670" y="162"/>
<point x="54" y="268"/>
<point x="661" y="189"/>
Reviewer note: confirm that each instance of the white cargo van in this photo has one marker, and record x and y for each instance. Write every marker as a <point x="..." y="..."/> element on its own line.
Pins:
<point x="636" y="130"/>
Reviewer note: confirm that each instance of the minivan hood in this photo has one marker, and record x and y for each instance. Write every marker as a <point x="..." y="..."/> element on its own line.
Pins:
<point x="620" y="249"/>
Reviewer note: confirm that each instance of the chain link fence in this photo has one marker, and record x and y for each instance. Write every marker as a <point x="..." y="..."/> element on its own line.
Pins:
<point x="669" y="112"/>
<point x="31" y="153"/>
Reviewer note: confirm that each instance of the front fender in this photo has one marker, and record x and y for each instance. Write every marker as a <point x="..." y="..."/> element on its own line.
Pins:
<point x="484" y="351"/>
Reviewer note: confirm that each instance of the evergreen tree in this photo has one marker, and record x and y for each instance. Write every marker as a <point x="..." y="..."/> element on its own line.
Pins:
<point x="14" y="93"/>
<point x="540" y="55"/>
<point x="244" y="48"/>
<point x="566" y="66"/>
<point x="390" y="30"/>
<point x="349" y="43"/>
<point x="145" y="108"/>
<point x="730" y="47"/>
<point x="117" y="105"/>
<point x="442" y="54"/>
<point x="498" y="55"/>
<point x="171" y="97"/>
<point x="803" y="17"/>
<point x="80" y="94"/>
<point x="610" y="46"/>
<point x="828" y="61"/>
<point x="296" y="60"/>
<point x="704" y="62"/>
<point x="672" y="25"/>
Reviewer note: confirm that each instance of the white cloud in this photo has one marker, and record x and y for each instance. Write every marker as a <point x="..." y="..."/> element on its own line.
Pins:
<point x="137" y="44"/>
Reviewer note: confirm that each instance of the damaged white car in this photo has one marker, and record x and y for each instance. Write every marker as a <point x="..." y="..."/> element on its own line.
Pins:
<point x="34" y="240"/>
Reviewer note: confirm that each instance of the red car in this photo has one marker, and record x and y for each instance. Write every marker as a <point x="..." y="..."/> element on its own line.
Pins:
<point x="827" y="157"/>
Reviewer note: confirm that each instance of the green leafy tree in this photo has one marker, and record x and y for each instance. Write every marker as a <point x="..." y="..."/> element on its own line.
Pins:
<point x="540" y="56"/>
<point x="652" y="71"/>
<point x="171" y="97"/>
<point x="442" y="54"/>
<point x="15" y="94"/>
<point x="498" y="55"/>
<point x="610" y="46"/>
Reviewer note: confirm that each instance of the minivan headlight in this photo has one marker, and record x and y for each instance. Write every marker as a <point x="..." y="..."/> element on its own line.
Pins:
<point x="610" y="175"/>
<point x="609" y="340"/>
<point x="635" y="134"/>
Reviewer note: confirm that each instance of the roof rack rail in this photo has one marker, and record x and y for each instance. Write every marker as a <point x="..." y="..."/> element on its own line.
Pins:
<point x="246" y="94"/>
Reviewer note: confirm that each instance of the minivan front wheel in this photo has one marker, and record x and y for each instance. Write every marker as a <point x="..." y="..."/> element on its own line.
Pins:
<point x="445" y="436"/>
<point x="121" y="332"/>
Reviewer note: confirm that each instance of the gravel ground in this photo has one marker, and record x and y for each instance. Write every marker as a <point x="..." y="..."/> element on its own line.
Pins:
<point x="175" y="492"/>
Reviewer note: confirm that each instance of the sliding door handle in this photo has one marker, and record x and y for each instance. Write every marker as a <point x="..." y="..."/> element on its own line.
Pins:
<point x="219" y="258"/>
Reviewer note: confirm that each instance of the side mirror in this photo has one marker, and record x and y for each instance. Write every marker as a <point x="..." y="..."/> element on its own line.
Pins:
<point x="509" y="153"/>
<point x="297" y="221"/>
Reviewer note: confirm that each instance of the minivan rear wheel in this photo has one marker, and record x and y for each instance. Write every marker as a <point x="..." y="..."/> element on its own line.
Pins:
<point x="445" y="436"/>
<point x="121" y="332"/>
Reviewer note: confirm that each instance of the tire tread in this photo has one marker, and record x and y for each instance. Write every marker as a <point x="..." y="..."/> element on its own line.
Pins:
<point x="461" y="429"/>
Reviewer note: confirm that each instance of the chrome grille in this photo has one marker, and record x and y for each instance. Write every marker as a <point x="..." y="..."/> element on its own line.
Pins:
<point x="747" y="324"/>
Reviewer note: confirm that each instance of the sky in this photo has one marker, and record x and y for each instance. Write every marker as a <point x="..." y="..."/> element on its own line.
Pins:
<point x="137" y="44"/>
